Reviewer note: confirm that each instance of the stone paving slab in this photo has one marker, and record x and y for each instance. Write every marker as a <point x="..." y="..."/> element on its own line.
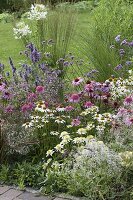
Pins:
<point x="11" y="194"/>
<point x="30" y="196"/>
<point x="3" y="189"/>
<point x="58" y="198"/>
<point x="17" y="198"/>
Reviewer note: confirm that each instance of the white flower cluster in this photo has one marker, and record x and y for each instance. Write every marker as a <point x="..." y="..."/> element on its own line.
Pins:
<point x="60" y="147"/>
<point x="121" y="87"/>
<point x="103" y="120"/>
<point x="127" y="158"/>
<point x="98" y="152"/>
<point x="91" y="110"/>
<point x="21" y="30"/>
<point x="37" y="12"/>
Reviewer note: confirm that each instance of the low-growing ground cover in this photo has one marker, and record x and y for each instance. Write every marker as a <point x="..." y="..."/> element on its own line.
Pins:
<point x="64" y="132"/>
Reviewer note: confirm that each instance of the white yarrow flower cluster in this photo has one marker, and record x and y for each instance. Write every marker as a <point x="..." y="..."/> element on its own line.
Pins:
<point x="21" y="30"/>
<point x="98" y="151"/>
<point x="37" y="12"/>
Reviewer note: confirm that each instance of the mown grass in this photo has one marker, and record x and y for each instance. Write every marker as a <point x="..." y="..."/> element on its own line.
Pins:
<point x="9" y="46"/>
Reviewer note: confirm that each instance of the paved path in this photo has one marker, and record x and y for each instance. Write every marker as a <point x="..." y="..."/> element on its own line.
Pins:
<point x="9" y="193"/>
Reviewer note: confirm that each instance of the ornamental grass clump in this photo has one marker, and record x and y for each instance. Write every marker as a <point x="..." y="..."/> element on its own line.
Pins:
<point x="109" y="19"/>
<point x="43" y="24"/>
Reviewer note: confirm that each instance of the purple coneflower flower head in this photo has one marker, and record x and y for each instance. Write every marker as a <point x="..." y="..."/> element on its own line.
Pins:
<point x="118" y="67"/>
<point x="77" y="81"/>
<point x="88" y="104"/>
<point x="32" y="96"/>
<point x="9" y="109"/>
<point x="89" y="88"/>
<point x="75" y="98"/>
<point x="69" y="108"/>
<point x="117" y="38"/>
<point x="75" y="122"/>
<point x="40" y="89"/>
<point x="2" y="86"/>
<point x="122" y="112"/>
<point x="128" y="121"/>
<point x="128" y="100"/>
<point x="7" y="95"/>
<point x="27" y="107"/>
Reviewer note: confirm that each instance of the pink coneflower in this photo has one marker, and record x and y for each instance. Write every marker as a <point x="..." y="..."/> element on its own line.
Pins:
<point x="77" y="81"/>
<point x="122" y="112"/>
<point x="88" y="104"/>
<point x="69" y="108"/>
<point x="75" y="122"/>
<point x="74" y="98"/>
<point x="128" y="121"/>
<point x="2" y="86"/>
<point x="31" y="106"/>
<point x="89" y="88"/>
<point x="60" y="108"/>
<point x="9" y="109"/>
<point x="31" y="96"/>
<point x="128" y="100"/>
<point x="24" y="108"/>
<point x="27" y="107"/>
<point x="39" y="89"/>
<point x="7" y="95"/>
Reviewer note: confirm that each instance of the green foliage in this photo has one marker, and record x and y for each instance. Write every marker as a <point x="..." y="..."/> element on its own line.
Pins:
<point x="6" y="17"/>
<point x="80" y="6"/>
<point x="4" y="173"/>
<point x="108" y="20"/>
<point x="22" y="174"/>
<point x="60" y="27"/>
<point x="94" y="182"/>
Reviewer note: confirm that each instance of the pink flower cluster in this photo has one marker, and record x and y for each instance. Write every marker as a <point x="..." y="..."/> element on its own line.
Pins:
<point x="125" y="114"/>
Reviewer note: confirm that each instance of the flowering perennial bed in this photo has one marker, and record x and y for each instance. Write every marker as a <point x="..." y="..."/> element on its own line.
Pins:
<point x="77" y="140"/>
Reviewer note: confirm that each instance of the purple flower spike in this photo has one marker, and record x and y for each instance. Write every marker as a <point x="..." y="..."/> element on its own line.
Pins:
<point x="66" y="64"/>
<point x="122" y="52"/>
<point x="2" y="66"/>
<point x="128" y="63"/>
<point x="12" y="66"/>
<point x="124" y="42"/>
<point x="118" y="67"/>
<point x="117" y="38"/>
<point x="130" y="44"/>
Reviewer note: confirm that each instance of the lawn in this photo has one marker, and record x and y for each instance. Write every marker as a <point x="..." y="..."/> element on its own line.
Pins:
<point x="11" y="47"/>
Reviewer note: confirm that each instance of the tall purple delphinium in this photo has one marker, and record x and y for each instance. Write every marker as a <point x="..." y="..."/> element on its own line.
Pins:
<point x="34" y="55"/>
<point x="12" y="66"/>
